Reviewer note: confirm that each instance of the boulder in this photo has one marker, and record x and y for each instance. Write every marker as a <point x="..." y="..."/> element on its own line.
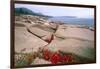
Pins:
<point x="80" y="33"/>
<point x="27" y="42"/>
<point x="74" y="46"/>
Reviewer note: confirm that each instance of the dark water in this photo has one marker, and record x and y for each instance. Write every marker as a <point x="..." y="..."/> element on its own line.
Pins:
<point x="74" y="20"/>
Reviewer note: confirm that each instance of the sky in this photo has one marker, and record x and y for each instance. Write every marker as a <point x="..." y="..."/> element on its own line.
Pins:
<point x="59" y="10"/>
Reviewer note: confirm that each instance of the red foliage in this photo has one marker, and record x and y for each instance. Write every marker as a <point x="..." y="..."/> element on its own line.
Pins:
<point x="55" y="58"/>
<point x="67" y="58"/>
<point x="70" y="58"/>
<point x="46" y="54"/>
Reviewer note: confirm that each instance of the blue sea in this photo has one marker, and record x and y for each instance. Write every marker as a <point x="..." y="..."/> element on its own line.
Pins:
<point x="74" y="20"/>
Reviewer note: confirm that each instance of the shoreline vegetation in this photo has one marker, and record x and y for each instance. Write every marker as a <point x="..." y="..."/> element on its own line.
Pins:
<point x="40" y="41"/>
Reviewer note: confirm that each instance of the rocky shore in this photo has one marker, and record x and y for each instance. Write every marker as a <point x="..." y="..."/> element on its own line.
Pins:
<point x="34" y="34"/>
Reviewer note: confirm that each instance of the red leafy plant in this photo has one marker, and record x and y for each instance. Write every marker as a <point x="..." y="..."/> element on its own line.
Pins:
<point x="56" y="57"/>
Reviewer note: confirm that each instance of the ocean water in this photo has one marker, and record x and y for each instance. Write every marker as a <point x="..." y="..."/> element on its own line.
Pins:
<point x="74" y="20"/>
